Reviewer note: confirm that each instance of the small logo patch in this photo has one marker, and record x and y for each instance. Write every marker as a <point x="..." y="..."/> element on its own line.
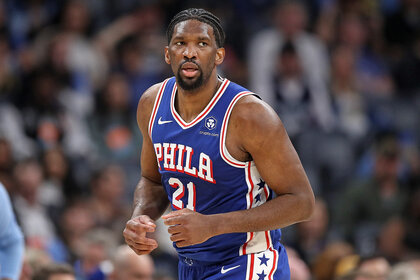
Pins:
<point x="162" y="122"/>
<point x="211" y="123"/>
<point x="223" y="270"/>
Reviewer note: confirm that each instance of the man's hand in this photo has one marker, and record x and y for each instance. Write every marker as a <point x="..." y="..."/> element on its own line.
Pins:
<point x="187" y="227"/>
<point x="135" y="234"/>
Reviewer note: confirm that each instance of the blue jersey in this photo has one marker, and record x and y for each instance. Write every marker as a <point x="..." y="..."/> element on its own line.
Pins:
<point x="199" y="173"/>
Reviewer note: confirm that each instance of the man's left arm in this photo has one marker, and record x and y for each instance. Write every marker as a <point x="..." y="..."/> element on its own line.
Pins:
<point x="254" y="130"/>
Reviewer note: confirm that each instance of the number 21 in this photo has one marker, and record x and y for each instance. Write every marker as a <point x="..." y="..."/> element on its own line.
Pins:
<point x="180" y="192"/>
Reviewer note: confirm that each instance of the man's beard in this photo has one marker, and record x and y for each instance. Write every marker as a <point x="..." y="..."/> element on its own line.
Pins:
<point x="189" y="84"/>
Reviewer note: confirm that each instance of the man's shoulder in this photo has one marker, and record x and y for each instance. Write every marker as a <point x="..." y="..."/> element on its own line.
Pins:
<point x="252" y="112"/>
<point x="147" y="101"/>
<point x="148" y="97"/>
<point x="151" y="92"/>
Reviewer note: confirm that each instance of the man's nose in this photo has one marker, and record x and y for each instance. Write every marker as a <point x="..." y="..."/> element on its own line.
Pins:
<point x="190" y="51"/>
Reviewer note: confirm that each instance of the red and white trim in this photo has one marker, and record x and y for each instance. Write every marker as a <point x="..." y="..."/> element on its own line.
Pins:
<point x="223" y="150"/>
<point x="275" y="263"/>
<point x="250" y="267"/>
<point x="257" y="267"/>
<point x="206" y="110"/>
<point x="261" y="240"/>
<point x="156" y="107"/>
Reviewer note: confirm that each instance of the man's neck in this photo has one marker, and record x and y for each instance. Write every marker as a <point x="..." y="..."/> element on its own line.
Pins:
<point x="191" y="103"/>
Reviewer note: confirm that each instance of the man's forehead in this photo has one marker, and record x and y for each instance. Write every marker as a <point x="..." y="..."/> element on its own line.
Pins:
<point x="193" y="26"/>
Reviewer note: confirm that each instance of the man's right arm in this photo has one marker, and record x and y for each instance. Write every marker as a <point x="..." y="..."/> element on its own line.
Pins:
<point x="150" y="199"/>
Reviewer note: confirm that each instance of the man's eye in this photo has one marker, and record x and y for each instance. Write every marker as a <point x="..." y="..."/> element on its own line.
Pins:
<point x="202" y="44"/>
<point x="179" y="43"/>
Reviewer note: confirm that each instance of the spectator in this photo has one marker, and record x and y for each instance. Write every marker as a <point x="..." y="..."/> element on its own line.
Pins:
<point x="34" y="259"/>
<point x="349" y="102"/>
<point x="54" y="271"/>
<point x="87" y="64"/>
<point x="368" y="204"/>
<point x="107" y="201"/>
<point x="132" y="63"/>
<point x="295" y="100"/>
<point x="59" y="186"/>
<point x="27" y="19"/>
<point x="93" y="262"/>
<point x="130" y="266"/>
<point x="12" y="130"/>
<point x="46" y="121"/>
<point x="298" y="268"/>
<point x="325" y="264"/>
<point x="36" y="223"/>
<point x="112" y="126"/>
<point x="75" y="222"/>
<point x="374" y="267"/>
<point x="313" y="236"/>
<point x="373" y="75"/>
<point x="291" y="19"/>
<point x="404" y="270"/>
<point x="114" y="130"/>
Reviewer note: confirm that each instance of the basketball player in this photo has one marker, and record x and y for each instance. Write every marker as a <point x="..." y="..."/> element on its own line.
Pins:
<point x="222" y="159"/>
<point x="130" y="266"/>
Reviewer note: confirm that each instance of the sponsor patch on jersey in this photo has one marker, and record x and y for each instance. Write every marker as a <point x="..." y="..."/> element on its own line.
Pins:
<point x="211" y="123"/>
<point x="209" y="133"/>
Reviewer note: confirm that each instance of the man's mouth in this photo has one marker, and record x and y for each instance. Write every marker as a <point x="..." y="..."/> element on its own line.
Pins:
<point x="189" y="69"/>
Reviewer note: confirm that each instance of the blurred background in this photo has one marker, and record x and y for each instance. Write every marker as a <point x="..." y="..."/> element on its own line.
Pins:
<point x="343" y="75"/>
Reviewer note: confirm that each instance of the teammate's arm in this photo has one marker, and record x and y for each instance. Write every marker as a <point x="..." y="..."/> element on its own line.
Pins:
<point x="150" y="199"/>
<point x="254" y="132"/>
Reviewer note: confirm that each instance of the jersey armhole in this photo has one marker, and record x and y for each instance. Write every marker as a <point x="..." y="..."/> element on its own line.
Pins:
<point x="156" y="105"/>
<point x="226" y="156"/>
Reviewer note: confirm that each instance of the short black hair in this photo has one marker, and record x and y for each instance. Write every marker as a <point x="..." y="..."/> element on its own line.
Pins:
<point x="200" y="15"/>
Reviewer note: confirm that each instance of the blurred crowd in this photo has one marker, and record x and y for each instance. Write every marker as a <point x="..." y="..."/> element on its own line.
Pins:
<point x="343" y="75"/>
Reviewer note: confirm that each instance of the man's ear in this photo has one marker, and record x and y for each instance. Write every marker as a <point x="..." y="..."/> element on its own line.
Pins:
<point x="220" y="55"/>
<point x="167" y="59"/>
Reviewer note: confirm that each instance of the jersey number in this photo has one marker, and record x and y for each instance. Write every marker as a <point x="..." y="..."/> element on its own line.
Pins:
<point x="180" y="192"/>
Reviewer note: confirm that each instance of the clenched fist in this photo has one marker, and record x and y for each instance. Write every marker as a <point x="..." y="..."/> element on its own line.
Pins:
<point x="135" y="234"/>
<point x="187" y="227"/>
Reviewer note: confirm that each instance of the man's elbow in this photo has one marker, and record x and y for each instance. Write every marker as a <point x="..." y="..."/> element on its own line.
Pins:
<point x="307" y="206"/>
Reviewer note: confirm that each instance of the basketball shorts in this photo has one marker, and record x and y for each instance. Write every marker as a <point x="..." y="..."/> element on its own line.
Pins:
<point x="271" y="264"/>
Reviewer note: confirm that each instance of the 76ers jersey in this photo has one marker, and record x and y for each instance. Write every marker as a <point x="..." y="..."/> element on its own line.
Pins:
<point x="199" y="173"/>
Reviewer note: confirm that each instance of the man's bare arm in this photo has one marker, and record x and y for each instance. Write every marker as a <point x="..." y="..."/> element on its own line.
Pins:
<point x="254" y="132"/>
<point x="150" y="199"/>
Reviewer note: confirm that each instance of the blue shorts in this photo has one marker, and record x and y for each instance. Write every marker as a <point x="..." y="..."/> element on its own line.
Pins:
<point x="271" y="264"/>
